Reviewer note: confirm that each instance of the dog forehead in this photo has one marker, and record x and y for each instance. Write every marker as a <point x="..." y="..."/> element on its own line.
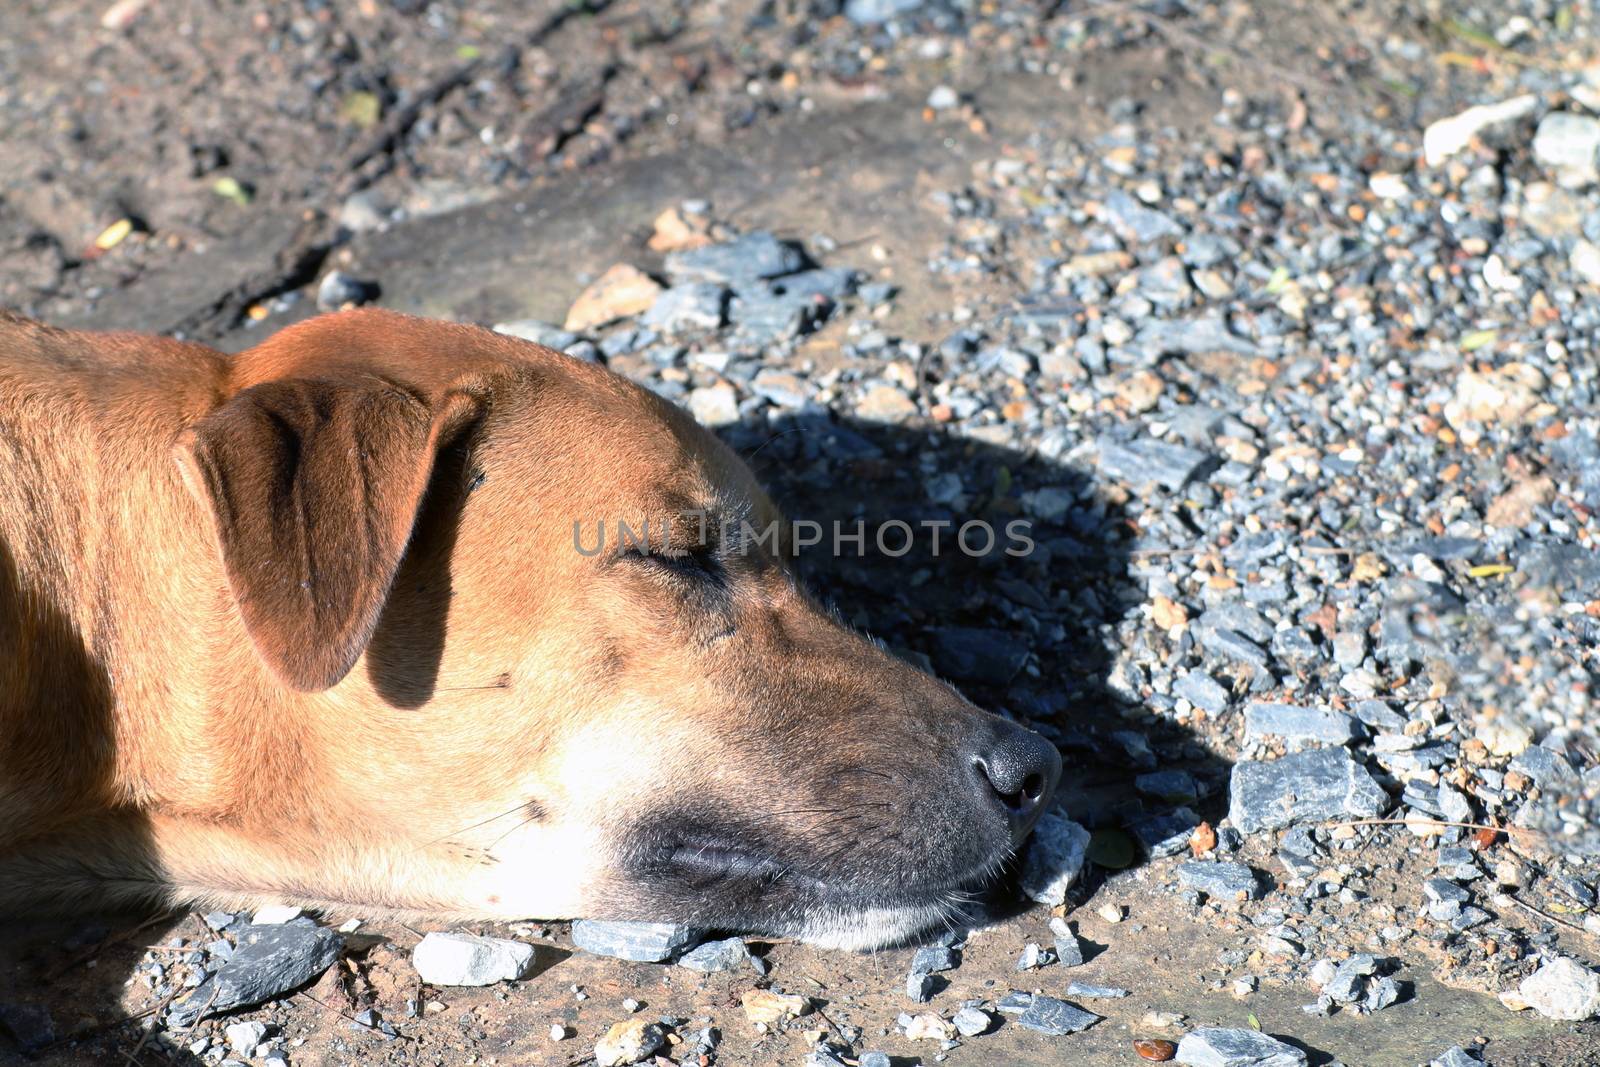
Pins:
<point x="588" y="435"/>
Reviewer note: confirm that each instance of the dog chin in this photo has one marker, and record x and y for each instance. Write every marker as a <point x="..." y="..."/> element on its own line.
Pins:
<point x="864" y="929"/>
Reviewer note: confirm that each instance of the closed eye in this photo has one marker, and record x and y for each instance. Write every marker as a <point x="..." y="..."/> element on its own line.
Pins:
<point x="698" y="564"/>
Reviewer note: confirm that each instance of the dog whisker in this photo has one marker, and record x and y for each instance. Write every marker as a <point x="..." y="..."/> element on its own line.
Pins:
<point x="476" y="825"/>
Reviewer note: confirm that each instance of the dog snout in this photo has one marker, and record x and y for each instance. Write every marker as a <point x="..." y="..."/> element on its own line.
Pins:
<point x="1019" y="769"/>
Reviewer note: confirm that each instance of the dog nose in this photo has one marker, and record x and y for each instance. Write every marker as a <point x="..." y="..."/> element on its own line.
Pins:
<point x="1021" y="769"/>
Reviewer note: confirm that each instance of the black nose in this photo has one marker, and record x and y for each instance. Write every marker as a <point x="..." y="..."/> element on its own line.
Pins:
<point x="1021" y="769"/>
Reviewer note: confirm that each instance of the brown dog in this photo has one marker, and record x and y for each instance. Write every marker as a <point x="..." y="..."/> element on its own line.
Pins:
<point x="309" y="625"/>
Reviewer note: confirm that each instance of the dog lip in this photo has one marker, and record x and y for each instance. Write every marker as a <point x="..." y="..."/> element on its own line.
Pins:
<point x="710" y="861"/>
<point x="715" y="860"/>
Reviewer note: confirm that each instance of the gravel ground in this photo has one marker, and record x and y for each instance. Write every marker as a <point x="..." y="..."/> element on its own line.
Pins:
<point x="1287" y="355"/>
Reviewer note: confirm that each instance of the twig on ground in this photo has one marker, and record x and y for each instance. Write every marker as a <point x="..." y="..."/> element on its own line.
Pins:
<point x="1519" y="902"/>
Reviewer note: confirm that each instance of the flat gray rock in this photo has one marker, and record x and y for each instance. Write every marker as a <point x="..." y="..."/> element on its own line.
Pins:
<point x="934" y="958"/>
<point x="1149" y="460"/>
<point x="640" y="942"/>
<point x="1218" y="1047"/>
<point x="1095" y="992"/>
<point x="686" y="308"/>
<point x="744" y="259"/>
<point x="727" y="955"/>
<point x="269" y="962"/>
<point x="1295" y="723"/>
<point x="1054" y="859"/>
<point x="1055" y="1017"/>
<point x="1322" y="783"/>
<point x="1223" y="881"/>
<point x="971" y="1022"/>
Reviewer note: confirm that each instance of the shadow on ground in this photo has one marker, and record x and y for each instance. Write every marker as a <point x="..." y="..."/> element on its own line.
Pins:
<point x="1024" y="621"/>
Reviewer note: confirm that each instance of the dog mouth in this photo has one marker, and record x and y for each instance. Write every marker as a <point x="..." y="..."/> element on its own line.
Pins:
<point x="740" y="885"/>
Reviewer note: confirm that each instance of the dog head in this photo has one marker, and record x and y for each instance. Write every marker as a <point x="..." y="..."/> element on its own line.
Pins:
<point x="546" y="616"/>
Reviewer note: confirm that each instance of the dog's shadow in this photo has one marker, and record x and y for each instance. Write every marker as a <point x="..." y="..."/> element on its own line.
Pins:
<point x="1027" y="620"/>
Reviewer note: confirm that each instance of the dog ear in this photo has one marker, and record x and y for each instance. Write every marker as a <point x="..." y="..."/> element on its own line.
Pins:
<point x="314" y="487"/>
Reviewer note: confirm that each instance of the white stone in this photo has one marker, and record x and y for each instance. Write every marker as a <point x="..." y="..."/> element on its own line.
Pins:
<point x="1499" y="276"/>
<point x="714" y="405"/>
<point x="274" y="914"/>
<point x="245" y="1038"/>
<point x="1445" y="138"/>
<point x="1562" y="988"/>
<point x="1585" y="261"/>
<point x="453" y="959"/>
<point x="1569" y="145"/>
<point x="1388" y="186"/>
<point x="1503" y="738"/>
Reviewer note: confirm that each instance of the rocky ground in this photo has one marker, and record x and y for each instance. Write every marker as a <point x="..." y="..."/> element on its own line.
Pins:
<point x="1276" y="321"/>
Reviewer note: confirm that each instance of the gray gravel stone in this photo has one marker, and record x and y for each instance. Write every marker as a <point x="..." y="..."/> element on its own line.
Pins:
<point x="930" y="959"/>
<point x="1054" y="858"/>
<point x="872" y="12"/>
<point x="726" y="955"/>
<point x="767" y="319"/>
<point x="1202" y="691"/>
<point x="1014" y="1003"/>
<point x="1138" y="223"/>
<point x="268" y="962"/>
<point x="1149" y="460"/>
<point x="338" y="289"/>
<point x="875" y="293"/>
<point x="1295" y="723"/>
<point x="1069" y="951"/>
<point x="781" y="388"/>
<point x="1095" y="992"/>
<point x="1316" y="784"/>
<point x="640" y="942"/>
<point x="1033" y="956"/>
<point x="1381" y="994"/>
<point x="245" y="1037"/>
<point x="920" y="986"/>
<point x="687" y="308"/>
<point x="1223" y="881"/>
<point x="829" y="283"/>
<point x="539" y="332"/>
<point x="1055" y="1017"/>
<point x="1569" y="144"/>
<point x="971" y="1022"/>
<point x="1170" y="785"/>
<point x="1218" y="1047"/>
<point x="745" y="259"/>
<point x="1165" y="834"/>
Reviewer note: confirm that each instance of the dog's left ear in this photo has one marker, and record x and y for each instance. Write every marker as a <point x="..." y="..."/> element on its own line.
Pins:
<point x="314" y="486"/>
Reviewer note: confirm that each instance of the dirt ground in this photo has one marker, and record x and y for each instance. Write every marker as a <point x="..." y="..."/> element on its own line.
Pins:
<point x="512" y="151"/>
